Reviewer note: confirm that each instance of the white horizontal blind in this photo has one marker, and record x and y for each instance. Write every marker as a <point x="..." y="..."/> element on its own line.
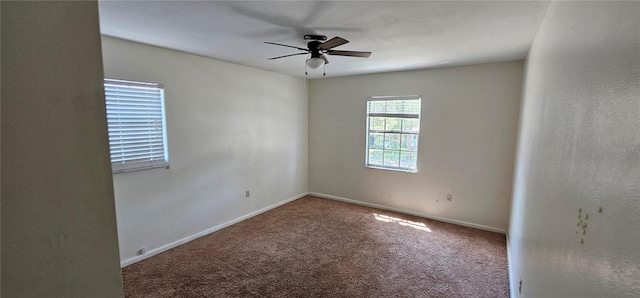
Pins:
<point x="393" y="127"/>
<point x="136" y="123"/>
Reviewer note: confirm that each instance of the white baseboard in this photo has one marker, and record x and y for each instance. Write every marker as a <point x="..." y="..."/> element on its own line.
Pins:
<point x="512" y="283"/>
<point x="208" y="231"/>
<point x="452" y="221"/>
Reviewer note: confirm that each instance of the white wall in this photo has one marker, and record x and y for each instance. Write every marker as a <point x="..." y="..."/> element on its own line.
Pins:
<point x="59" y="235"/>
<point x="579" y="149"/>
<point x="230" y="128"/>
<point x="466" y="146"/>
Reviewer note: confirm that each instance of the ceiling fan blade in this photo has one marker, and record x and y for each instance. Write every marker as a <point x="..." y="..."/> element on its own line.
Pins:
<point x="332" y="43"/>
<point x="323" y="57"/>
<point x="296" y="54"/>
<point x="350" y="53"/>
<point x="284" y="45"/>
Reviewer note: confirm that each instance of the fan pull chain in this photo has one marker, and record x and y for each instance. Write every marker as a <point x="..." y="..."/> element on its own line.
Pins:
<point x="305" y="69"/>
<point x="324" y="69"/>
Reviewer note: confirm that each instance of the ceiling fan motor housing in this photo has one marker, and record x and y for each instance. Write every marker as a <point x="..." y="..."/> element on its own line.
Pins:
<point x="314" y="48"/>
<point x="314" y="37"/>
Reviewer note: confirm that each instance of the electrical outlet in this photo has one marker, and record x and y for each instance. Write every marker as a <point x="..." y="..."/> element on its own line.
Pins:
<point x="449" y="197"/>
<point x="247" y="194"/>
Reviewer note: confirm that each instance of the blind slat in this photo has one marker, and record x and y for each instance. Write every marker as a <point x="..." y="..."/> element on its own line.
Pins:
<point x="124" y="145"/>
<point x="391" y="115"/>
<point x="135" y="108"/>
<point x="132" y="121"/>
<point x="125" y="116"/>
<point x="114" y="99"/>
<point x="138" y="141"/>
<point x="138" y="155"/>
<point x="116" y="129"/>
<point x="127" y="104"/>
<point x="150" y="135"/>
<point x="129" y="154"/>
<point x="125" y="90"/>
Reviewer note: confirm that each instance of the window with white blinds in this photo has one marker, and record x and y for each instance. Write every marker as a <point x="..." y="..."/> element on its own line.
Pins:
<point x="136" y="123"/>
<point x="393" y="127"/>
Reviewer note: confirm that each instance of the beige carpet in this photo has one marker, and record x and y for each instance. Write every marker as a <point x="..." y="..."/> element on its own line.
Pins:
<point x="316" y="247"/>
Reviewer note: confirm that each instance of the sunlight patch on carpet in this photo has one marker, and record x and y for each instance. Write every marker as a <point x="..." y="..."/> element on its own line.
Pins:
<point x="402" y="222"/>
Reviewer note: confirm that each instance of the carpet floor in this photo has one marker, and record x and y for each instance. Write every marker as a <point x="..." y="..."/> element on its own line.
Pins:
<point x="315" y="247"/>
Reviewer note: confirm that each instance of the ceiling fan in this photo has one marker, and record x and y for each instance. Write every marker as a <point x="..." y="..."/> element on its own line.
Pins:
<point x="318" y="46"/>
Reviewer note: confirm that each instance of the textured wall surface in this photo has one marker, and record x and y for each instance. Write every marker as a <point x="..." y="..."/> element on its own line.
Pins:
<point x="59" y="234"/>
<point x="575" y="228"/>
<point x="466" y="146"/>
<point x="230" y="128"/>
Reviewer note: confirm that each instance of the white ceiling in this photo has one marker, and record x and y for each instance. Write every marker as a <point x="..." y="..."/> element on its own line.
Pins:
<point x="401" y="34"/>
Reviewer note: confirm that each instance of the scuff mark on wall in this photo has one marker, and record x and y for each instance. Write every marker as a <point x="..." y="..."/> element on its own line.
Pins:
<point x="520" y="287"/>
<point x="582" y="224"/>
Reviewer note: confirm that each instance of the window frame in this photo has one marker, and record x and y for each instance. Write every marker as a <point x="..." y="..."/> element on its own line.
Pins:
<point x="400" y="132"/>
<point x="148" y="162"/>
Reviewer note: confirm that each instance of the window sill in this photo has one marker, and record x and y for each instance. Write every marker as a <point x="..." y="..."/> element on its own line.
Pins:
<point x="120" y="171"/>
<point x="392" y="169"/>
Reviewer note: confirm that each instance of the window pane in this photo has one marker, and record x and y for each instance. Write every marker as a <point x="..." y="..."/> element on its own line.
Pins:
<point x="394" y="124"/>
<point x="408" y="160"/>
<point x="376" y="140"/>
<point x="391" y="158"/>
<point x="375" y="157"/>
<point x="393" y="106"/>
<point x="409" y="142"/>
<point x="376" y="123"/>
<point x="378" y="106"/>
<point x="412" y="125"/>
<point x="392" y="141"/>
<point x="411" y="106"/>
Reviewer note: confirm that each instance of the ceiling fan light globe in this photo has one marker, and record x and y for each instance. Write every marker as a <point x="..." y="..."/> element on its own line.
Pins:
<point x="315" y="63"/>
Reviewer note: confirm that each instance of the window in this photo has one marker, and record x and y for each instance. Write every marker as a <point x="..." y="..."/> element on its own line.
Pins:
<point x="136" y="123"/>
<point x="393" y="126"/>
